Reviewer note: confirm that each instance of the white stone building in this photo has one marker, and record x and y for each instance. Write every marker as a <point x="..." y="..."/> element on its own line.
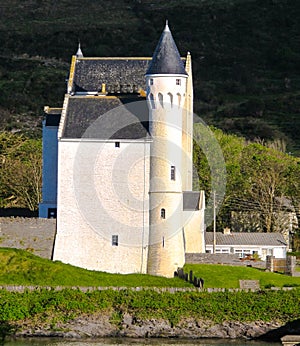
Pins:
<point x="246" y="244"/>
<point x="124" y="164"/>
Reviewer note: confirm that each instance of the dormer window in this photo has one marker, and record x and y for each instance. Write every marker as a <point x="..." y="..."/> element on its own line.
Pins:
<point x="178" y="82"/>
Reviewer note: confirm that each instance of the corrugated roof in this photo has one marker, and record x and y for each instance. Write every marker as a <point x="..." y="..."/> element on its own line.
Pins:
<point x="166" y="58"/>
<point x="106" y="118"/>
<point x="243" y="238"/>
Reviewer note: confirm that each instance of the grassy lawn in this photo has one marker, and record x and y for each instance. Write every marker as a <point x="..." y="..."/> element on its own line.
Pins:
<point x="18" y="267"/>
<point x="229" y="276"/>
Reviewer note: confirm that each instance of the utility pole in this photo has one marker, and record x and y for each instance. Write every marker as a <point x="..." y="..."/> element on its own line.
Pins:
<point x="214" y="222"/>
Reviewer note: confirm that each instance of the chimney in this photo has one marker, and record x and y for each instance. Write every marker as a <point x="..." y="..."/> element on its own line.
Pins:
<point x="226" y="231"/>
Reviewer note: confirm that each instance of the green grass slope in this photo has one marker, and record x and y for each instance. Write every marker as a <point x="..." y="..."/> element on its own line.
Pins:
<point x="229" y="276"/>
<point x="18" y="267"/>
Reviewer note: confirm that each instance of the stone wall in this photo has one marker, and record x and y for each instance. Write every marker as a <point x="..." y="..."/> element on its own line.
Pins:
<point x="228" y="259"/>
<point x="32" y="234"/>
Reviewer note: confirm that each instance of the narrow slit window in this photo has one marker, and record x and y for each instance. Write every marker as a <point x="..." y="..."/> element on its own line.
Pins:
<point x="117" y="144"/>
<point x="170" y="99"/>
<point x="173" y="173"/>
<point x="115" y="240"/>
<point x="179" y="99"/>
<point x="163" y="213"/>
<point x="152" y="101"/>
<point x="161" y="99"/>
<point x="163" y="242"/>
<point x="178" y="82"/>
<point x="151" y="81"/>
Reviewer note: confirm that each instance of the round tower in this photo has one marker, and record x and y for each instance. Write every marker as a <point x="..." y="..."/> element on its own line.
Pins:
<point x="166" y="91"/>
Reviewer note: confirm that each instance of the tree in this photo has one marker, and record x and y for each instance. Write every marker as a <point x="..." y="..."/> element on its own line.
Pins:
<point x="294" y="195"/>
<point x="20" y="171"/>
<point x="265" y="171"/>
<point x="259" y="184"/>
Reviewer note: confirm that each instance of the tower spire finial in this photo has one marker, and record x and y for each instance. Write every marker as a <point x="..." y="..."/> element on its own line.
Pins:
<point x="79" y="51"/>
<point x="167" y="26"/>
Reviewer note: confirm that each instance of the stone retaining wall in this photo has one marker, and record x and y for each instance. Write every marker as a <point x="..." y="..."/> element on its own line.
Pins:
<point x="32" y="234"/>
<point x="228" y="259"/>
<point x="19" y="288"/>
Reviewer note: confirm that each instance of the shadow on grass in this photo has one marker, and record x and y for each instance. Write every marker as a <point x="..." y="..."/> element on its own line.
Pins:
<point x="290" y="328"/>
<point x="6" y="329"/>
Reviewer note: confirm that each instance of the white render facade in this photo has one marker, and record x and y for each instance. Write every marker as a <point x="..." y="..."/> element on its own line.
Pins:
<point x="99" y="208"/>
<point x="124" y="194"/>
<point x="248" y="243"/>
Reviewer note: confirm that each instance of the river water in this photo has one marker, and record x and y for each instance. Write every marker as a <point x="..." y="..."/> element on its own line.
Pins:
<point x="135" y="342"/>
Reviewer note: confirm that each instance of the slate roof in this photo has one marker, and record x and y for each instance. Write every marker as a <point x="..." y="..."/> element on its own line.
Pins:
<point x="245" y="238"/>
<point x="166" y="58"/>
<point x="100" y="117"/>
<point x="191" y="200"/>
<point x="120" y="75"/>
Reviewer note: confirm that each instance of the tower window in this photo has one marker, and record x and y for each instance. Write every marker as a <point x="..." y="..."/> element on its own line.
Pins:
<point x="152" y="101"/>
<point x="163" y="241"/>
<point x="151" y="81"/>
<point x="170" y="99"/>
<point x="161" y="99"/>
<point x="114" y="240"/>
<point x="172" y="172"/>
<point x="163" y="213"/>
<point x="178" y="82"/>
<point x="117" y="144"/>
<point x="179" y="99"/>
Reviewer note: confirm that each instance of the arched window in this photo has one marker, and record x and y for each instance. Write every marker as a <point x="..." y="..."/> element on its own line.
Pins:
<point x="163" y="213"/>
<point x="179" y="99"/>
<point x="161" y="99"/>
<point x="170" y="99"/>
<point x="152" y="102"/>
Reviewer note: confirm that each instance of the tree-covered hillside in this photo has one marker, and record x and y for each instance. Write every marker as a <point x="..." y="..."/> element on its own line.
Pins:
<point x="246" y="56"/>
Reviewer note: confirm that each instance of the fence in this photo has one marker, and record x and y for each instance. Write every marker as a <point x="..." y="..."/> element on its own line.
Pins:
<point x="285" y="265"/>
<point x="197" y="282"/>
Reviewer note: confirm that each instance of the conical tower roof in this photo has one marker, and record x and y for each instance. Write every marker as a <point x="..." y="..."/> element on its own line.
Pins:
<point x="166" y="58"/>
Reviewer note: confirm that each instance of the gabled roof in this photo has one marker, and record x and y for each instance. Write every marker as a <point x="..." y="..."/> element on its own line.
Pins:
<point x="120" y="75"/>
<point x="166" y="58"/>
<point x="245" y="238"/>
<point x="105" y="117"/>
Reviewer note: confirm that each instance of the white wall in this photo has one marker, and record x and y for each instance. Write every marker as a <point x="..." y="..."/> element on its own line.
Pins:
<point x="103" y="191"/>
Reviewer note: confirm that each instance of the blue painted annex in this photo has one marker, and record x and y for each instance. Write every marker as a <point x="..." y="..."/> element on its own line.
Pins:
<point x="48" y="206"/>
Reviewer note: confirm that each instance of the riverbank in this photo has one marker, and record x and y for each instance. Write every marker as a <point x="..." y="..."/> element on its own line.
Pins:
<point x="105" y="324"/>
<point x="71" y="313"/>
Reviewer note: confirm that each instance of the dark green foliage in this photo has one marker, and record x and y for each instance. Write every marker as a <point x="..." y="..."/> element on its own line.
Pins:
<point x="245" y="56"/>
